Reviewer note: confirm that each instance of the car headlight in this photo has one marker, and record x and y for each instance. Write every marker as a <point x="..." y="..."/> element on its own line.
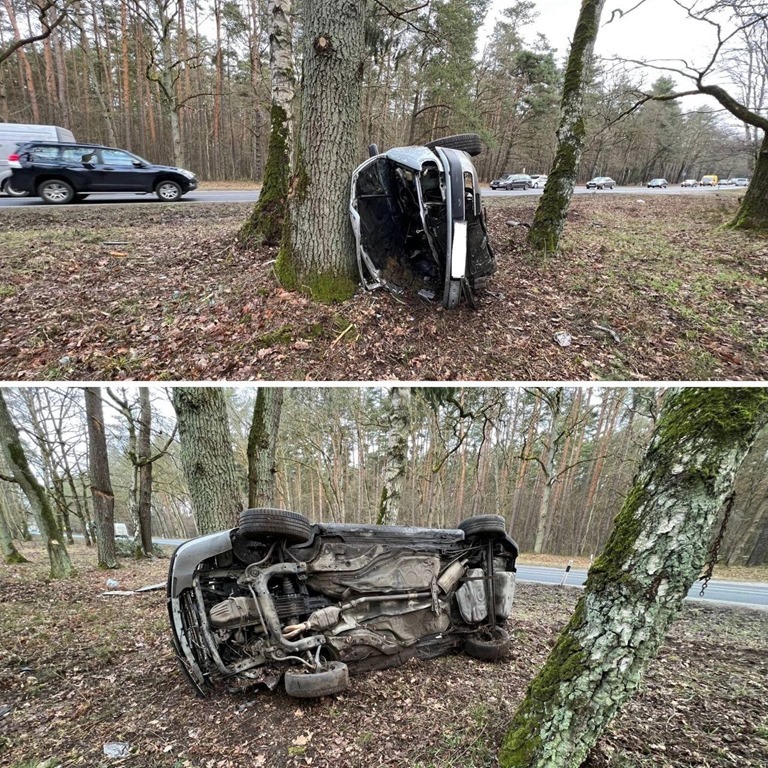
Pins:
<point x="188" y="174"/>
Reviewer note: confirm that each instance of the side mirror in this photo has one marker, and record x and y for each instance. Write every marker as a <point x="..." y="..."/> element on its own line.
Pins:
<point x="138" y="164"/>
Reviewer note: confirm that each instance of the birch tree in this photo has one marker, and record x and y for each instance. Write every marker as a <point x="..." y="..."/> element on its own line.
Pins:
<point x="398" y="420"/>
<point x="549" y="219"/>
<point x="636" y="586"/>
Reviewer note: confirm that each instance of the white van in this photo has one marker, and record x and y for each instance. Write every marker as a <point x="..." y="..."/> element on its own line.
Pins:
<point x="14" y="134"/>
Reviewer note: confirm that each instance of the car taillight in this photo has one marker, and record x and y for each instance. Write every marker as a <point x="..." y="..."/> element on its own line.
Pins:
<point x="14" y="158"/>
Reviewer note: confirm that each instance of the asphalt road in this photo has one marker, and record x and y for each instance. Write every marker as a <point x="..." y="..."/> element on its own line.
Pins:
<point x="251" y="195"/>
<point x="747" y="594"/>
<point x="751" y="594"/>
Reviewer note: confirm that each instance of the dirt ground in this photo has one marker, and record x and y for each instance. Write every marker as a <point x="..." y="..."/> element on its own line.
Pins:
<point x="79" y="670"/>
<point x="648" y="288"/>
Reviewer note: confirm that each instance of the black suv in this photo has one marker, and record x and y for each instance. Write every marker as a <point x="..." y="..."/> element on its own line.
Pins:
<point x="62" y="173"/>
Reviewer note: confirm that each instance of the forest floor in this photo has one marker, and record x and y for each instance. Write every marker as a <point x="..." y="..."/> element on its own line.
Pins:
<point x="648" y="288"/>
<point x="79" y="670"/>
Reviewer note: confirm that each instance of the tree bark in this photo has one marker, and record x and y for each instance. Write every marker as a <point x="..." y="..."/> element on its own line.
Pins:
<point x="207" y="457"/>
<point x="262" y="443"/>
<point x="398" y="417"/>
<point x="101" y="485"/>
<point x="143" y="537"/>
<point x="8" y="550"/>
<point x="317" y="254"/>
<point x="549" y="219"/>
<point x="16" y="460"/>
<point x="636" y="586"/>
<point x="753" y="211"/>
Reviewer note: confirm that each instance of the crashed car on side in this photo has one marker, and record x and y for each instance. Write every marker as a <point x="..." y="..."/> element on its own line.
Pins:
<point x="281" y="598"/>
<point x="418" y="220"/>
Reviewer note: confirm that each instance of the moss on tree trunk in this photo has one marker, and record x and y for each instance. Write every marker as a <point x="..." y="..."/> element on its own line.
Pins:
<point x="636" y="586"/>
<point x="753" y="211"/>
<point x="549" y="219"/>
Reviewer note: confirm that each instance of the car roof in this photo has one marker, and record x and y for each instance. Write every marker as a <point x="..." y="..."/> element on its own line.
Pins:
<point x="86" y="144"/>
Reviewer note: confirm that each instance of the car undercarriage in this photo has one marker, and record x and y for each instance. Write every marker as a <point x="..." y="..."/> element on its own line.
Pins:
<point x="281" y="598"/>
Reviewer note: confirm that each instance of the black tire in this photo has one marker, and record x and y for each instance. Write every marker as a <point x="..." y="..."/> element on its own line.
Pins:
<point x="168" y="191"/>
<point x="11" y="192"/>
<point x="490" y="645"/>
<point x="301" y="685"/>
<point x="56" y="192"/>
<point x="484" y="524"/>
<point x="466" y="142"/>
<point x="274" y="523"/>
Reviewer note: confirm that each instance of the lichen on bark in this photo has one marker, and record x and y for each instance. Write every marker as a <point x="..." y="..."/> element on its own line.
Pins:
<point x="636" y="586"/>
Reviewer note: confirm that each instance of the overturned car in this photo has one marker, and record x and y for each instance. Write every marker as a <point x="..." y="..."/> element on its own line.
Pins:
<point x="281" y="598"/>
<point x="419" y="222"/>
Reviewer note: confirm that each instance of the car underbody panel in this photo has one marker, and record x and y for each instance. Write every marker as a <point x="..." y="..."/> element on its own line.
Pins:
<point x="246" y="609"/>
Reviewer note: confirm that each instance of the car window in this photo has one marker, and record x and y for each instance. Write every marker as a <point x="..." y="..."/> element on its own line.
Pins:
<point x="117" y="157"/>
<point x="43" y="153"/>
<point x="78" y="154"/>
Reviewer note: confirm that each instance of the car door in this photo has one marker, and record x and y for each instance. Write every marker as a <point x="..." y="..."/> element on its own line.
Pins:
<point x="120" y="171"/>
<point x="79" y="167"/>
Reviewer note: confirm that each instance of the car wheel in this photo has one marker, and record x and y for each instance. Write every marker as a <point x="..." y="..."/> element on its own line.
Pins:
<point x="311" y="685"/>
<point x="168" y="191"/>
<point x="466" y="142"/>
<point x="277" y="523"/>
<point x="11" y="192"/>
<point x="483" y="524"/>
<point x="491" y="645"/>
<point x="56" y="192"/>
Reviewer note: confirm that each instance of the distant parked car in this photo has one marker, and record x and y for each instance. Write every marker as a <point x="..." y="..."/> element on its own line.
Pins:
<point x="709" y="181"/>
<point x="517" y="181"/>
<point x="657" y="183"/>
<point x="690" y="183"/>
<point x="725" y="183"/>
<point x="63" y="173"/>
<point x="601" y="182"/>
<point x="740" y="182"/>
<point x="497" y="183"/>
<point x="538" y="179"/>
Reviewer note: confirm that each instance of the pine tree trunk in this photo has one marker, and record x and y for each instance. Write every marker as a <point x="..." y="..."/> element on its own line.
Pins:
<point x="101" y="485"/>
<point x="636" y="586"/>
<point x="555" y="402"/>
<point x="12" y="451"/>
<point x="549" y="219"/>
<point x="398" y="417"/>
<point x="262" y="444"/>
<point x="317" y="255"/>
<point x="207" y="457"/>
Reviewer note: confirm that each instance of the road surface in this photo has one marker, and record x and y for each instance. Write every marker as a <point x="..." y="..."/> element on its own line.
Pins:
<point x="251" y="195"/>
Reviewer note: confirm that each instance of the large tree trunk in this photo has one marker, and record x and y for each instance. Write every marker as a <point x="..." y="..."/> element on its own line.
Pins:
<point x="398" y="416"/>
<point x="636" y="586"/>
<point x="16" y="460"/>
<point x="317" y="254"/>
<point x="753" y="211"/>
<point x="265" y="224"/>
<point x="101" y="485"/>
<point x="759" y="553"/>
<point x="549" y="219"/>
<point x="262" y="443"/>
<point x="207" y="457"/>
<point x="554" y="401"/>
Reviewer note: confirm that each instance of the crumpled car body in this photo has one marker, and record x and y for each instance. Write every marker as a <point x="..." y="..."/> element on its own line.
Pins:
<point x="253" y="605"/>
<point x="419" y="223"/>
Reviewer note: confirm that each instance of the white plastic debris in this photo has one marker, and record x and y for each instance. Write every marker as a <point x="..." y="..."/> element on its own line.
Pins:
<point x="563" y="339"/>
<point x="116" y="749"/>
<point x="112" y="583"/>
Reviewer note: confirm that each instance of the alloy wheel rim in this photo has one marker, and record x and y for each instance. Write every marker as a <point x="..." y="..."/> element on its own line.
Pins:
<point x="56" y="192"/>
<point x="168" y="191"/>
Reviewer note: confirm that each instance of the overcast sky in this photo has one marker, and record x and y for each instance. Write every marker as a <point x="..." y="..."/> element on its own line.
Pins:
<point x="658" y="29"/>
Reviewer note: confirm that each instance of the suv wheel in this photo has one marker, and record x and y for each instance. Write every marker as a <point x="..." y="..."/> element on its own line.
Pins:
<point x="56" y="192"/>
<point x="274" y="523"/>
<point x="488" y="525"/>
<point x="168" y="191"/>
<point x="11" y="192"/>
